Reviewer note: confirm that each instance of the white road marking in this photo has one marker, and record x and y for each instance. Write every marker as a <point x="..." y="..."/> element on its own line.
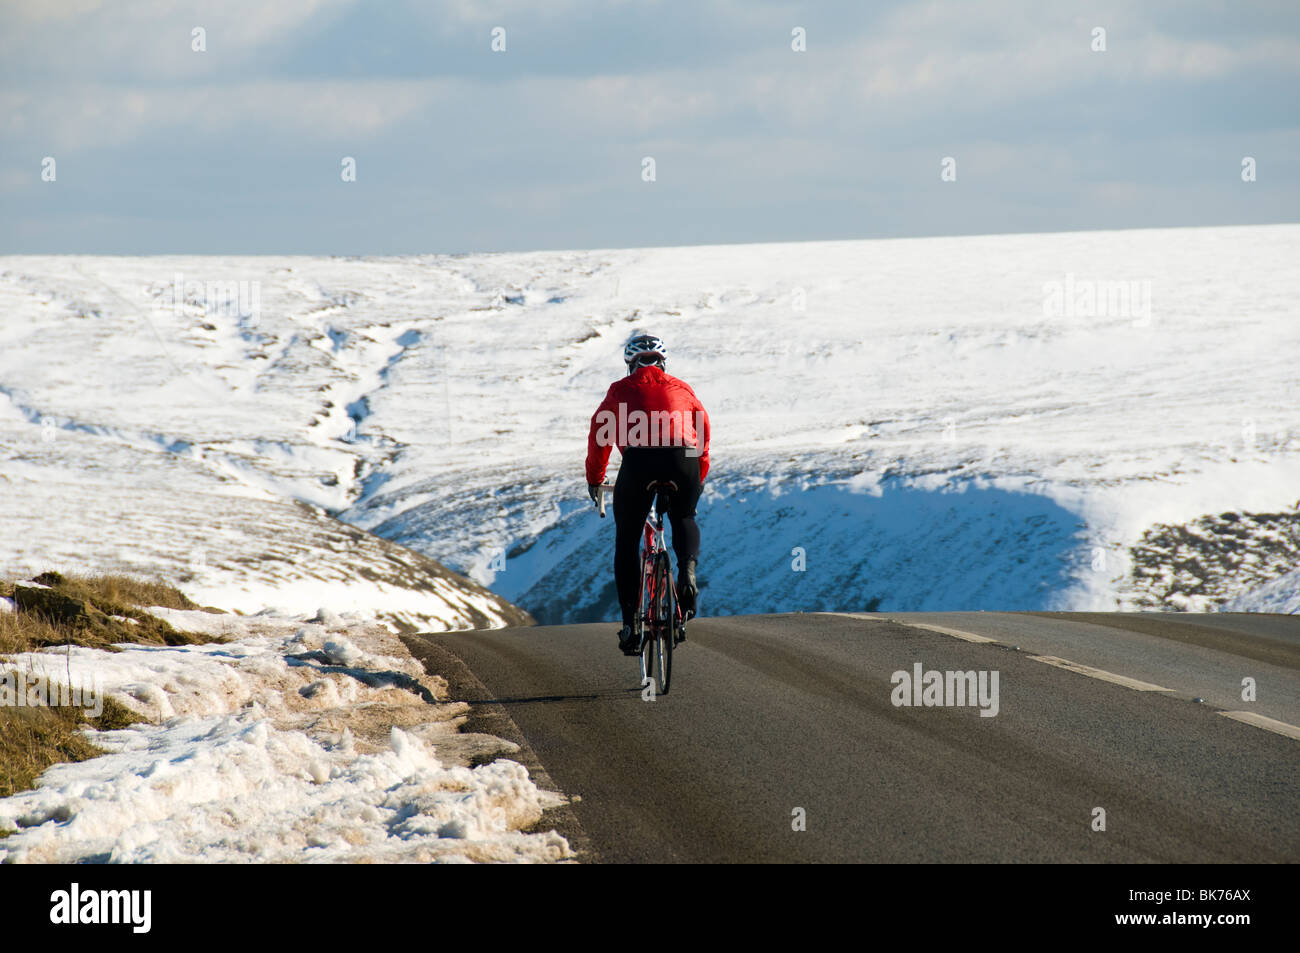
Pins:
<point x="955" y="633"/>
<point x="1260" y="721"/>
<point x="941" y="629"/>
<point x="1133" y="683"/>
<point x="1245" y="717"/>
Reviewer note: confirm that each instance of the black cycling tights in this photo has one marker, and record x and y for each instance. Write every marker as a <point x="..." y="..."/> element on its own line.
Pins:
<point x="632" y="502"/>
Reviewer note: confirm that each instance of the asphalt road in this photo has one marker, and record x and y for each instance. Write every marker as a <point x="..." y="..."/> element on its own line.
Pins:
<point x="775" y="717"/>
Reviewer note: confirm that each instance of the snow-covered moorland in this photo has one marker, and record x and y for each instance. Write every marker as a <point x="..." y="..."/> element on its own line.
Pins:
<point x="932" y="423"/>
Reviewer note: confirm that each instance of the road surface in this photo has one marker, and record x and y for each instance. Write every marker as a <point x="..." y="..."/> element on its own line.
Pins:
<point x="786" y="721"/>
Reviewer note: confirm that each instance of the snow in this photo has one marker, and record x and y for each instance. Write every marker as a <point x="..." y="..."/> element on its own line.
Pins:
<point x="1281" y="595"/>
<point x="926" y="426"/>
<point x="291" y="742"/>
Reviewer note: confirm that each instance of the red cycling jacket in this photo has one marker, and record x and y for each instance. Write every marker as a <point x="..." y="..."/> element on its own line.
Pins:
<point x="648" y="408"/>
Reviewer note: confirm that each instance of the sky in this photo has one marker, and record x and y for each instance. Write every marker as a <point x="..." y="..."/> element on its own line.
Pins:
<point x="239" y="148"/>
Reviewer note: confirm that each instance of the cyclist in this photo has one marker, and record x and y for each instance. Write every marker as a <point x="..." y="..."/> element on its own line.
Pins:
<point x="661" y="429"/>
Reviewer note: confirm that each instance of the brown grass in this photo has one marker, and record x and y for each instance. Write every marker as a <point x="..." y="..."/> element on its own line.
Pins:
<point x="32" y="739"/>
<point x="81" y="610"/>
<point x="26" y="632"/>
<point x="126" y="590"/>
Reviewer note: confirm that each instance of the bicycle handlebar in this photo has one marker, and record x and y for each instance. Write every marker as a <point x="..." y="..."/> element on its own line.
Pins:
<point x="658" y="486"/>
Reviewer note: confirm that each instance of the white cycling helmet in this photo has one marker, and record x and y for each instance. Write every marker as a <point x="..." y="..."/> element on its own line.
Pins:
<point x="643" y="349"/>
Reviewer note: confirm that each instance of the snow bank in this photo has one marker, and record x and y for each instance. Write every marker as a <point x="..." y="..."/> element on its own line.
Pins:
<point x="292" y="741"/>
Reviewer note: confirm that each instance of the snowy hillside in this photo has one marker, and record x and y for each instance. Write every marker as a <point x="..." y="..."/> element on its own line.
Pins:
<point x="933" y="423"/>
<point x="130" y="444"/>
<point x="1280" y="595"/>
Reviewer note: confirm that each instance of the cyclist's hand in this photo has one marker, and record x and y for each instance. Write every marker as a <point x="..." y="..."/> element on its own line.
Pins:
<point x="593" y="491"/>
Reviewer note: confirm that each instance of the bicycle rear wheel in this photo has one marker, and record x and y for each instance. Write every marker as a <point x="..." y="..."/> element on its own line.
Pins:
<point x="647" y="654"/>
<point x="664" y="612"/>
<point x="644" y="628"/>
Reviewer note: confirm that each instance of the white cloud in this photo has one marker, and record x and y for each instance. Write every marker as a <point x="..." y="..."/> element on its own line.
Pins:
<point x="81" y="38"/>
<point x="99" y="117"/>
<point x="919" y="58"/>
<point x="1202" y="59"/>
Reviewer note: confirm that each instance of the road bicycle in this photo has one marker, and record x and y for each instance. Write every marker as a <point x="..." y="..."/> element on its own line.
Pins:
<point x="660" y="622"/>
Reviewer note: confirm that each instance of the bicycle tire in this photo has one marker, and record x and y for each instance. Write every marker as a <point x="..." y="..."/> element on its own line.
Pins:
<point x="644" y="608"/>
<point x="647" y="657"/>
<point x="664" y="611"/>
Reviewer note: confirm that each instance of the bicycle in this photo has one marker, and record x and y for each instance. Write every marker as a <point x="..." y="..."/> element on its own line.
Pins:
<point x="660" y="623"/>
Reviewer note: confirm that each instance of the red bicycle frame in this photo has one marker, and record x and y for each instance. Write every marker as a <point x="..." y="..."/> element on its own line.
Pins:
<point x="651" y="546"/>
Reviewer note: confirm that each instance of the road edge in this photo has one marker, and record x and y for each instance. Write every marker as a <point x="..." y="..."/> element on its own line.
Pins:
<point x="489" y="718"/>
